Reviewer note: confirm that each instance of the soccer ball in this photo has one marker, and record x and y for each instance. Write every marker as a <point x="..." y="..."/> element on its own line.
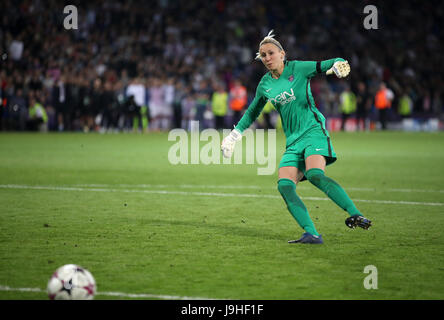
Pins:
<point x="71" y="282"/>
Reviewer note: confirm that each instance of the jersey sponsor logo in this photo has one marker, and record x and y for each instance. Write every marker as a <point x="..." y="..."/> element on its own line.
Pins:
<point x="283" y="98"/>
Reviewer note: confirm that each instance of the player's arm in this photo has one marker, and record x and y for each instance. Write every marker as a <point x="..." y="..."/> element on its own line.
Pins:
<point x="338" y="66"/>
<point x="254" y="110"/>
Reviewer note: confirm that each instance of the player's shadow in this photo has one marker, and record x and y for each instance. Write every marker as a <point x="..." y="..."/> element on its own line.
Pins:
<point x="243" y="231"/>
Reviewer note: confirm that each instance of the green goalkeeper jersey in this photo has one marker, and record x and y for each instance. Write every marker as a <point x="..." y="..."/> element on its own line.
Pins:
<point x="291" y="95"/>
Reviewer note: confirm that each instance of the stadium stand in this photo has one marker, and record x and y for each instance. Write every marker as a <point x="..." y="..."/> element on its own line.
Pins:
<point x="81" y="76"/>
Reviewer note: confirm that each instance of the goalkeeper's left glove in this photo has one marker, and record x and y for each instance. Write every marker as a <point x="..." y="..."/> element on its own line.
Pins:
<point x="340" y="68"/>
<point x="229" y="142"/>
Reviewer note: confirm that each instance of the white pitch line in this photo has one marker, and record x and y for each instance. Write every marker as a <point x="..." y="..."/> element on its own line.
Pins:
<point x="6" y="288"/>
<point x="191" y="186"/>
<point x="148" y="295"/>
<point x="213" y="194"/>
<point x="52" y="188"/>
<point x="114" y="294"/>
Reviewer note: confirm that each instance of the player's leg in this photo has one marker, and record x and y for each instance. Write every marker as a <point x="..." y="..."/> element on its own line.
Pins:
<point x="315" y="173"/>
<point x="288" y="178"/>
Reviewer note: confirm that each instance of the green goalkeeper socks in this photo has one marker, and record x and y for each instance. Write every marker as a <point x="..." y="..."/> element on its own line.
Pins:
<point x="333" y="190"/>
<point x="287" y="188"/>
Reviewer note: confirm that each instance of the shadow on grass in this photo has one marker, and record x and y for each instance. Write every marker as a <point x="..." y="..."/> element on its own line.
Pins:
<point x="222" y="229"/>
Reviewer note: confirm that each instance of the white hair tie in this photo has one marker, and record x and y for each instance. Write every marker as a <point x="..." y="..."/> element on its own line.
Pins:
<point x="270" y="34"/>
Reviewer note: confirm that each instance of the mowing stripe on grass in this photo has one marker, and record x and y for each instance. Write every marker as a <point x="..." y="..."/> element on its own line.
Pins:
<point x="212" y="194"/>
<point x="114" y="294"/>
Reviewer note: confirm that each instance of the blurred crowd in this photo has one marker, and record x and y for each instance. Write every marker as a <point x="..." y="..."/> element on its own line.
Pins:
<point x="156" y="65"/>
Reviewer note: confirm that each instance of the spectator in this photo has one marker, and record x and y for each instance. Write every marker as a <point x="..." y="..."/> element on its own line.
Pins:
<point x="188" y="109"/>
<point x="405" y="106"/>
<point x="136" y="89"/>
<point x="156" y="104"/>
<point x="110" y="110"/>
<point x="219" y="104"/>
<point x="238" y="100"/>
<point x="179" y="96"/>
<point x="96" y="106"/>
<point x="168" y="89"/>
<point x="59" y="102"/>
<point x="383" y="102"/>
<point x="203" y="95"/>
<point x="363" y="104"/>
<point x="18" y="111"/>
<point x="347" y="105"/>
<point x="37" y="117"/>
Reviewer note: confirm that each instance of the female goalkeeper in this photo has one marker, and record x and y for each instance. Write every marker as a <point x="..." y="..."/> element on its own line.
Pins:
<point x="308" y="145"/>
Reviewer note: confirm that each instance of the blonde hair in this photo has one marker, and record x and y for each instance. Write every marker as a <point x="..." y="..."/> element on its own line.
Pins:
<point x="268" y="39"/>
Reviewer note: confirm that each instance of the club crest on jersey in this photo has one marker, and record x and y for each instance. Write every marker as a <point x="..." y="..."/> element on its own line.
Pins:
<point x="291" y="78"/>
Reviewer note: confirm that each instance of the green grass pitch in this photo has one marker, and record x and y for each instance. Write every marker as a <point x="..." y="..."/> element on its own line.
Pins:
<point x="113" y="204"/>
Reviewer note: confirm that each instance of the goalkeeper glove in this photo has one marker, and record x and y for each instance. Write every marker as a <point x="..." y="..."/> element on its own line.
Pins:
<point x="229" y="142"/>
<point x="340" y="68"/>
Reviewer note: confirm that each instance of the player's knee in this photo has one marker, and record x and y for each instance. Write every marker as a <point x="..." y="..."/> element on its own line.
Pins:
<point x="280" y="186"/>
<point x="285" y="185"/>
<point x="287" y="189"/>
<point x="315" y="176"/>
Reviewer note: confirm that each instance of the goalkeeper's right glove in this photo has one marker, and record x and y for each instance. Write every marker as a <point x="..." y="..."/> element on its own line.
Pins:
<point x="229" y="142"/>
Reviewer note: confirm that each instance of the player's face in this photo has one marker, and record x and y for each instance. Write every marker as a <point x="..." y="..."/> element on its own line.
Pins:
<point x="272" y="57"/>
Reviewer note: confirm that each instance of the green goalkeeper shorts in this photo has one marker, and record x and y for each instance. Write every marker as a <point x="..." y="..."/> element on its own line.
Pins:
<point x="315" y="142"/>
